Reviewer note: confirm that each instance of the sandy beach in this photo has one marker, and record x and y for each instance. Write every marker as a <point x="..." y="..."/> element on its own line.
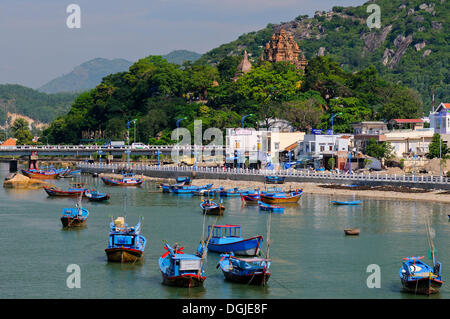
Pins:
<point x="314" y="188"/>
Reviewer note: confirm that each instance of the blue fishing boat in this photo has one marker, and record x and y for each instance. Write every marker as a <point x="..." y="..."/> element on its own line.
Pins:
<point x="166" y="188"/>
<point x="355" y="202"/>
<point x="180" y="269"/>
<point x="253" y="271"/>
<point x="271" y="208"/>
<point x="227" y="238"/>
<point x="208" y="192"/>
<point x="189" y="189"/>
<point x="420" y="278"/>
<point x="274" y="179"/>
<point x="125" y="244"/>
<point x="96" y="196"/>
<point x="184" y="179"/>
<point x="125" y="181"/>
<point x="211" y="208"/>
<point x="74" y="217"/>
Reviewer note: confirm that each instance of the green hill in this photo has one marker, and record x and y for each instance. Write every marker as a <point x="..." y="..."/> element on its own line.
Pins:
<point x="179" y="56"/>
<point x="85" y="76"/>
<point x="39" y="106"/>
<point x="410" y="48"/>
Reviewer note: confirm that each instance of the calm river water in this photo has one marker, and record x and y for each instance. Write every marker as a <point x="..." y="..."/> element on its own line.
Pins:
<point x="312" y="258"/>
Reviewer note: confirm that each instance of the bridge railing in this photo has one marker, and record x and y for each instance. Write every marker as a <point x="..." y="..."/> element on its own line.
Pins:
<point x="354" y="177"/>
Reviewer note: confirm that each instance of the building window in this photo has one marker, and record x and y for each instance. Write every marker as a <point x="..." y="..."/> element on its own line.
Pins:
<point x="277" y="146"/>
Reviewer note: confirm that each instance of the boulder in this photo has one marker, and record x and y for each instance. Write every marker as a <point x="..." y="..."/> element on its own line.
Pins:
<point x="22" y="181"/>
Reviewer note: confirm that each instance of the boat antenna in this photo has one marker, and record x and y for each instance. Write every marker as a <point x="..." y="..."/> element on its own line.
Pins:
<point x="206" y="247"/>
<point x="430" y="235"/>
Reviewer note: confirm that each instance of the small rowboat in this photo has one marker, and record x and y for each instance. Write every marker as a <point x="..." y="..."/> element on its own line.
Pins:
<point x="271" y="208"/>
<point x="184" y="179"/>
<point x="274" y="179"/>
<point x="180" y="269"/>
<point x="96" y="196"/>
<point x="75" y="190"/>
<point x="74" y="217"/>
<point x="250" y="199"/>
<point x="211" y="208"/>
<point x="355" y="202"/>
<point x="352" y="231"/>
<point x="126" y="181"/>
<point x="40" y="174"/>
<point x="282" y="198"/>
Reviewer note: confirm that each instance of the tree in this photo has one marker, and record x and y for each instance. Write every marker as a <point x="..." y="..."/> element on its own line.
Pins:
<point x="379" y="150"/>
<point x="21" y="131"/>
<point x="437" y="148"/>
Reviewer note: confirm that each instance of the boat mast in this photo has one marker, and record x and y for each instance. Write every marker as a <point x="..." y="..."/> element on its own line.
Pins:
<point x="430" y="239"/>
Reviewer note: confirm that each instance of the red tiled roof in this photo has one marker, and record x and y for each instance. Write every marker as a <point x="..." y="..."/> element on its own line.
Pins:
<point x="446" y="105"/>
<point x="9" y="142"/>
<point x="408" y="120"/>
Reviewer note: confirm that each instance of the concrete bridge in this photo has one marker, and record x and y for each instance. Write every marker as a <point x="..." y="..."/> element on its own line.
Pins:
<point x="87" y="150"/>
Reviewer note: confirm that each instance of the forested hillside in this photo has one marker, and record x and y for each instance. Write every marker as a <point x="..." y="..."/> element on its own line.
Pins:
<point x="411" y="47"/>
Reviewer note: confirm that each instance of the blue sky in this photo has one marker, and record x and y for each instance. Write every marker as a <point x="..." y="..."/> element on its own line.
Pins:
<point x="37" y="46"/>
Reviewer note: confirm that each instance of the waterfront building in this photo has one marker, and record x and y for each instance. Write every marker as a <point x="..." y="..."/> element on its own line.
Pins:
<point x="366" y="130"/>
<point x="317" y="149"/>
<point x="406" y="143"/>
<point x="258" y="147"/>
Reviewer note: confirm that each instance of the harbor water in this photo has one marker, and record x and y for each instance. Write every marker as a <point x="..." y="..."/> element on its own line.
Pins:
<point x="311" y="255"/>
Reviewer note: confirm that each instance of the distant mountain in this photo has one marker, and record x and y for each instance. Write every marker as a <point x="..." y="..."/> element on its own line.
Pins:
<point x="411" y="47"/>
<point x="86" y="76"/>
<point x="40" y="107"/>
<point x="179" y="56"/>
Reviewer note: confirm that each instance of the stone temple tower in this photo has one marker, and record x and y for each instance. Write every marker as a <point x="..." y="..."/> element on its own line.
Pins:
<point x="244" y="67"/>
<point x="282" y="47"/>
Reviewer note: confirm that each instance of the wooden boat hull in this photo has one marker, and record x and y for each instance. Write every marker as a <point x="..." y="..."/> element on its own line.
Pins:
<point x="216" y="211"/>
<point x="251" y="200"/>
<point x="97" y="198"/>
<point x="36" y="175"/>
<point x="352" y="232"/>
<point x="251" y="279"/>
<point x="346" y="203"/>
<point x="423" y="286"/>
<point x="245" y="247"/>
<point x="274" y="200"/>
<point x="55" y="192"/>
<point x="274" y="180"/>
<point x="124" y="255"/>
<point x="111" y="182"/>
<point x="68" y="222"/>
<point x="186" y="281"/>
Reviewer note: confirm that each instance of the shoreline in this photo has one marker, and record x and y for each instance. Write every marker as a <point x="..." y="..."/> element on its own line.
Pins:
<point x="314" y="188"/>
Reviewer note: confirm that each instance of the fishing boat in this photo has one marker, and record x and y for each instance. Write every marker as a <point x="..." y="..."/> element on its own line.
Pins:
<point x="75" y="189"/>
<point x="354" y="202"/>
<point x="184" y="179"/>
<point x="125" y="181"/>
<point x="253" y="271"/>
<point x="180" y="269"/>
<point x="40" y="174"/>
<point x="420" y="278"/>
<point x="166" y="188"/>
<point x="227" y="238"/>
<point x="74" y="217"/>
<point x="69" y="173"/>
<point x="189" y="189"/>
<point x="271" y="208"/>
<point x="250" y="199"/>
<point x="274" y="179"/>
<point x="282" y="197"/>
<point x="125" y="244"/>
<point x="208" y="192"/>
<point x="211" y="208"/>
<point x="96" y="196"/>
<point x="352" y="231"/>
<point x="249" y="270"/>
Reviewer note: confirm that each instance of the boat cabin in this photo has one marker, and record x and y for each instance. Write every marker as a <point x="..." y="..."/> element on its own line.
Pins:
<point x="220" y="231"/>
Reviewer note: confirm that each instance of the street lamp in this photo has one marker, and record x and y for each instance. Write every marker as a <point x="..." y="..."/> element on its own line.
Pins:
<point x="243" y="118"/>
<point x="128" y="130"/>
<point x="179" y="120"/>
<point x="332" y="119"/>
